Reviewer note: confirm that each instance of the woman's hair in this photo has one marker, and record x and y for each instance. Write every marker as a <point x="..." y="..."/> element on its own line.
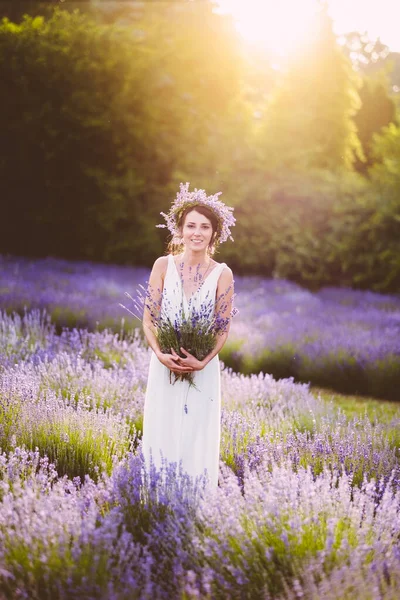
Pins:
<point x="176" y="248"/>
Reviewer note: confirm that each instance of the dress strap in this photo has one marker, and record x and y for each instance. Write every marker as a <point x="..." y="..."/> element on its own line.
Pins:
<point x="219" y="269"/>
<point x="214" y="276"/>
<point x="171" y="274"/>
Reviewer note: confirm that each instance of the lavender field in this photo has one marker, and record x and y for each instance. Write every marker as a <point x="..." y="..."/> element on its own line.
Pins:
<point x="338" y="338"/>
<point x="308" y="503"/>
<point x="307" y="506"/>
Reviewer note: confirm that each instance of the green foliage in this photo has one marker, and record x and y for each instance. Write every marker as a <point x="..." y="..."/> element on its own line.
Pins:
<point x="369" y="229"/>
<point x="71" y="440"/>
<point x="52" y="130"/>
<point x="377" y="110"/>
<point x="104" y="112"/>
<point x="352" y="406"/>
<point x="73" y="452"/>
<point x="308" y="122"/>
<point x="380" y="379"/>
<point x="42" y="567"/>
<point x="100" y="115"/>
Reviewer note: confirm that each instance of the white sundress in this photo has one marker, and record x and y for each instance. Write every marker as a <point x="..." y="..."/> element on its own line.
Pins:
<point x="182" y="422"/>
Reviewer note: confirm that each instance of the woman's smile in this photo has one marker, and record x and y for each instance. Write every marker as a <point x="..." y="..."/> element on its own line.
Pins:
<point x="196" y="231"/>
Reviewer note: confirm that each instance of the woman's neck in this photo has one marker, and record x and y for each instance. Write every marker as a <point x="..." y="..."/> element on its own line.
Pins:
<point x="192" y="259"/>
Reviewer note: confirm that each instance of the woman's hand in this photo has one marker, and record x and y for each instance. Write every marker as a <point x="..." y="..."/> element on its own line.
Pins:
<point x="171" y="362"/>
<point x="189" y="361"/>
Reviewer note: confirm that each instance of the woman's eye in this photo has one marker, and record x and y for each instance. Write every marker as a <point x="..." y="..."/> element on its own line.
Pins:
<point x="191" y="226"/>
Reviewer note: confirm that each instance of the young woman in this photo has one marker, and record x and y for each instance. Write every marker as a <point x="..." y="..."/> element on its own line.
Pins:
<point x="182" y="421"/>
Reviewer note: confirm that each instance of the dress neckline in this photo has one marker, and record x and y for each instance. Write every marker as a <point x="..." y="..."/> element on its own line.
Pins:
<point x="201" y="283"/>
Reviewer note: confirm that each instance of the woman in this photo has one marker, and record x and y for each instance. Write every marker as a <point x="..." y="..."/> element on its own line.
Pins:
<point x="182" y="421"/>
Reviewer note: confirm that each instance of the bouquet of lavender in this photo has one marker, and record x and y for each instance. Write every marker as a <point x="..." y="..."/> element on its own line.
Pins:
<point x="195" y="330"/>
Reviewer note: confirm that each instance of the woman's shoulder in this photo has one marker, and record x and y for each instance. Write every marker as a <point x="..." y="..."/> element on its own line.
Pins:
<point x="161" y="261"/>
<point x="160" y="265"/>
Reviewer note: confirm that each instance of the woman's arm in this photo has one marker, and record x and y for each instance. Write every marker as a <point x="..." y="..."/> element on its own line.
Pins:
<point x="153" y="305"/>
<point x="153" y="301"/>
<point x="223" y="309"/>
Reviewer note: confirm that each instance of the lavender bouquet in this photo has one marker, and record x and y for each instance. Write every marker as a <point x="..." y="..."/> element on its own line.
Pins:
<point x="196" y="329"/>
<point x="194" y="332"/>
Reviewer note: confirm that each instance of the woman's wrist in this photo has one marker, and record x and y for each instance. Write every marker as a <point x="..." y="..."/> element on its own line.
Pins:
<point x="209" y="358"/>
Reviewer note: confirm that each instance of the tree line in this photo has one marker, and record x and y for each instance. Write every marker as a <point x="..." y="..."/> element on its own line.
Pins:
<point x="104" y="112"/>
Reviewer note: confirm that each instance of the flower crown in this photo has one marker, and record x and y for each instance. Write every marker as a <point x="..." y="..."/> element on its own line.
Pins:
<point x="185" y="199"/>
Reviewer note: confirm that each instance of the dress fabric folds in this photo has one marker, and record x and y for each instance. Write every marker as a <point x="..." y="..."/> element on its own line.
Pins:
<point x="182" y="422"/>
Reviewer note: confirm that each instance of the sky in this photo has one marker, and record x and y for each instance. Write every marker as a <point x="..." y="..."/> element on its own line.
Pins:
<point x="381" y="18"/>
<point x="282" y="23"/>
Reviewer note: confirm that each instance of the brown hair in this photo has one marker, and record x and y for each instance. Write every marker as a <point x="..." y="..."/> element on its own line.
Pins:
<point x="176" y="248"/>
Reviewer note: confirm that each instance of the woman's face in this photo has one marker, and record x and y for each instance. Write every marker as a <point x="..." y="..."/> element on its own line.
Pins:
<point x="196" y="231"/>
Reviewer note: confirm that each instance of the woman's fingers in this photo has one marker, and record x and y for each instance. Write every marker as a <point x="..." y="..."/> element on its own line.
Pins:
<point x="187" y="353"/>
<point x="182" y="370"/>
<point x="178" y="368"/>
<point x="177" y="364"/>
<point x="174" y="355"/>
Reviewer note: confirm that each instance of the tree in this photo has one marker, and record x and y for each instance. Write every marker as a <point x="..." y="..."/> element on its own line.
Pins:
<point x="309" y="120"/>
<point x="377" y="110"/>
<point x="99" y="120"/>
<point x="367" y="55"/>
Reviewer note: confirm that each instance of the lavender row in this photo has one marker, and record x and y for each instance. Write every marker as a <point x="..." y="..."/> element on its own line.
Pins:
<point x="281" y="534"/>
<point x="348" y="340"/>
<point x="344" y="339"/>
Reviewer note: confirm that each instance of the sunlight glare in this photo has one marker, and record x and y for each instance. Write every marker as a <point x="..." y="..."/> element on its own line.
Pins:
<point x="277" y="26"/>
<point x="280" y="26"/>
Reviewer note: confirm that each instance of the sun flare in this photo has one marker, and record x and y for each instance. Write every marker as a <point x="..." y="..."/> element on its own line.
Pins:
<point x="279" y="27"/>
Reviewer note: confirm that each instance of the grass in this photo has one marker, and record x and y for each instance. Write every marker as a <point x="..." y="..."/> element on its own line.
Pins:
<point x="356" y="405"/>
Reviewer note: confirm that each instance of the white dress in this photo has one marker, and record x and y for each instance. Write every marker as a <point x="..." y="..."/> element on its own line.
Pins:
<point x="182" y="422"/>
